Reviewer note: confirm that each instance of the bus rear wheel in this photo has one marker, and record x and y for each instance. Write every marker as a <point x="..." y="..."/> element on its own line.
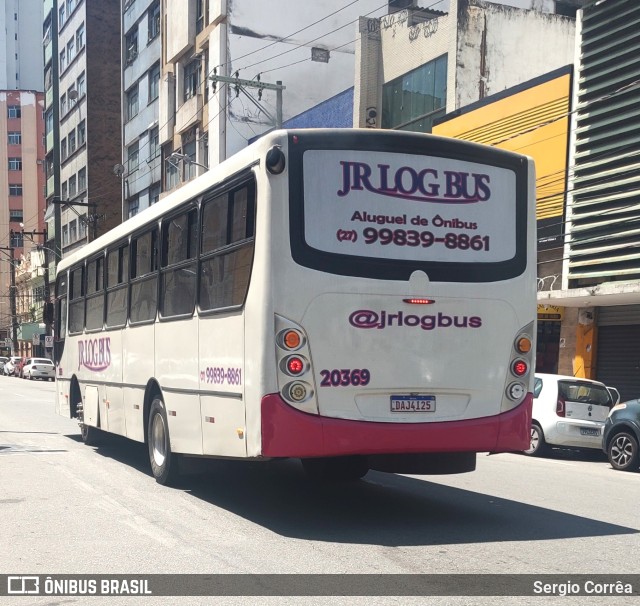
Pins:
<point x="336" y="469"/>
<point x="164" y="463"/>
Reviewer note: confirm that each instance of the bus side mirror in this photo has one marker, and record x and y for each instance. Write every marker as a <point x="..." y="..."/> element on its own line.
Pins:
<point x="47" y="313"/>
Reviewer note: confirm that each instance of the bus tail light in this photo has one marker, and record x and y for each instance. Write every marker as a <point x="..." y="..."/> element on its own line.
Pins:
<point x="560" y="407"/>
<point x="294" y="367"/>
<point x="291" y="339"/>
<point x="516" y="391"/>
<point x="298" y="391"/>
<point x="520" y="366"/>
<point x="523" y="344"/>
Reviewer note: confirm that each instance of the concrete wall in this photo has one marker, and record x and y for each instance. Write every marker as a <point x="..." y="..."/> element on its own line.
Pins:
<point x="500" y="46"/>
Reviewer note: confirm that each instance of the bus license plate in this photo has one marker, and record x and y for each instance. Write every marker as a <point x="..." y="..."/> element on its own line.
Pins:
<point x="589" y="431"/>
<point x="413" y="403"/>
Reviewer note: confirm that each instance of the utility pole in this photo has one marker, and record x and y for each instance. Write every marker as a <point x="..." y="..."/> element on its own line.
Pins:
<point x="12" y="296"/>
<point x="240" y="85"/>
<point x="47" y="292"/>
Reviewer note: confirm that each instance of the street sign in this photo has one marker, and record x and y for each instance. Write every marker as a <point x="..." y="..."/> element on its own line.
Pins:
<point x="8" y="343"/>
<point x="36" y="339"/>
<point x="48" y="342"/>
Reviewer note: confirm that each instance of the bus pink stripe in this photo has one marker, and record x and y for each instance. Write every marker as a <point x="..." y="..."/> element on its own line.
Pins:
<point x="287" y="432"/>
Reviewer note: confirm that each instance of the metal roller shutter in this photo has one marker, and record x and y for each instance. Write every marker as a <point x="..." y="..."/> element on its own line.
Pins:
<point x="618" y="353"/>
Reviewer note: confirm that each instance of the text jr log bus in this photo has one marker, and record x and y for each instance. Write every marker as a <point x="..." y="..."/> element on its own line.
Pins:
<point x="356" y="299"/>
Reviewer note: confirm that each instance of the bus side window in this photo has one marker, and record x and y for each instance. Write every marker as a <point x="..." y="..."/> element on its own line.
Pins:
<point x="76" y="306"/>
<point x="227" y="248"/>
<point x="117" y="275"/>
<point x="60" y="328"/>
<point x="144" y="277"/>
<point x="178" y="275"/>
<point x="95" y="294"/>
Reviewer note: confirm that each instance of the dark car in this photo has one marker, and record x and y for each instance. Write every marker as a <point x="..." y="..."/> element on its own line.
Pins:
<point x="621" y="436"/>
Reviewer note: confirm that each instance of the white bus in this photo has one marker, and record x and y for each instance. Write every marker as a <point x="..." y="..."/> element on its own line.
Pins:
<point x="357" y="299"/>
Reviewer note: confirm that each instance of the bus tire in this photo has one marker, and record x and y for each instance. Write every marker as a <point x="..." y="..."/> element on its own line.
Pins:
<point x="336" y="469"/>
<point x="164" y="463"/>
<point x="91" y="436"/>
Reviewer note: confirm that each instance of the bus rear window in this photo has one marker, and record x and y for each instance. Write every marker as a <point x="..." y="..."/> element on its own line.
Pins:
<point x="386" y="214"/>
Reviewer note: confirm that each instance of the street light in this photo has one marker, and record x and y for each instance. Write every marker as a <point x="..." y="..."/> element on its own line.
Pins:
<point x="186" y="159"/>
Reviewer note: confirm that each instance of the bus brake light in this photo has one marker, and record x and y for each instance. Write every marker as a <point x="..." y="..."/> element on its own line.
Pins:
<point x="519" y="368"/>
<point x="295" y="365"/>
<point x="419" y="301"/>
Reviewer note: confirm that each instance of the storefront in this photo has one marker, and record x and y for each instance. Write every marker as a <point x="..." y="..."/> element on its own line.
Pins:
<point x="548" y="338"/>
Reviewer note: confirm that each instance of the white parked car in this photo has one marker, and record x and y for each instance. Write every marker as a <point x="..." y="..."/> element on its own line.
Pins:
<point x="39" y="368"/>
<point x="569" y="412"/>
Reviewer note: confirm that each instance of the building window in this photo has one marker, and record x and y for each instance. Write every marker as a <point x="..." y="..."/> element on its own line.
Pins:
<point x="15" y="189"/>
<point x="65" y="235"/>
<point x="132" y="157"/>
<point x="81" y="134"/>
<point x="154" y="82"/>
<point x="16" y="239"/>
<point x="154" y="21"/>
<point x="15" y="163"/>
<point x="63" y="60"/>
<point x="73" y="231"/>
<point x="71" y="49"/>
<point x="191" y="73"/>
<point x="65" y="191"/>
<point x="72" y="142"/>
<point x="82" y="227"/>
<point x="132" y="101"/>
<point x="63" y="104"/>
<point x="80" y="37"/>
<point x="131" y="45"/>
<point x="48" y="121"/>
<point x="202" y="15"/>
<point x="80" y="85"/>
<point x="82" y="179"/>
<point x="63" y="150"/>
<point x="154" y="143"/>
<point x="61" y="17"/>
<point x="190" y="167"/>
<point x="134" y="205"/>
<point x="172" y="174"/>
<point x="71" y="4"/>
<point x="154" y="193"/>
<point x="16" y="216"/>
<point x="412" y="101"/>
<point x="14" y="111"/>
<point x="15" y="138"/>
<point x="72" y="186"/>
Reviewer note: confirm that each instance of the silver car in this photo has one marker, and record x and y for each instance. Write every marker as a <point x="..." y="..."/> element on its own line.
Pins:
<point x="39" y="368"/>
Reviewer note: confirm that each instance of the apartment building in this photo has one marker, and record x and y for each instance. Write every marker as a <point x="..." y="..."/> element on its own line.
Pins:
<point x="82" y="119"/>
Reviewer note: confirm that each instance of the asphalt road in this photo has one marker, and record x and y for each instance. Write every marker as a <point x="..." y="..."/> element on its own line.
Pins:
<point x="69" y="508"/>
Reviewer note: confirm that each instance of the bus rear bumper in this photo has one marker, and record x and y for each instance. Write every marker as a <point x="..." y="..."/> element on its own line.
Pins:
<point x="287" y="432"/>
